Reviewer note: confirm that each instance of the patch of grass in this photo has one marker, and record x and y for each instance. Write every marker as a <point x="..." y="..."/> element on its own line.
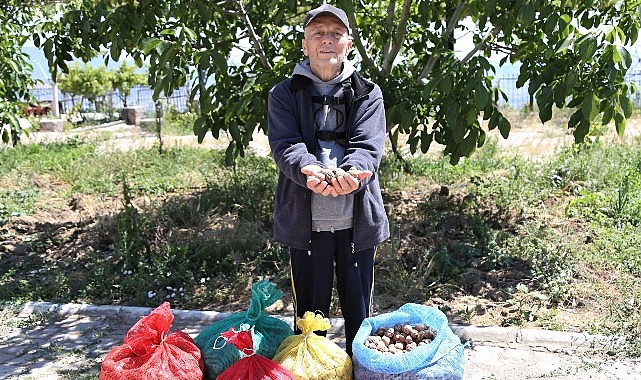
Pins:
<point x="192" y="230"/>
<point x="177" y="123"/>
<point x="533" y="223"/>
<point x="83" y="372"/>
<point x="9" y="317"/>
<point x="17" y="202"/>
<point x="189" y="246"/>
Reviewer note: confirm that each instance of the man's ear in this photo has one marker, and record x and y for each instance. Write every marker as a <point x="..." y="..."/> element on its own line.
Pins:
<point x="304" y="43"/>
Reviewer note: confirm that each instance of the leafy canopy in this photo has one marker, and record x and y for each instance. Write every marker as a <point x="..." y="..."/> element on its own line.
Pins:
<point x="572" y="53"/>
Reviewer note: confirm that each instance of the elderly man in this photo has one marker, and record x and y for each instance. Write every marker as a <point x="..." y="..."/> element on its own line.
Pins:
<point x="327" y="133"/>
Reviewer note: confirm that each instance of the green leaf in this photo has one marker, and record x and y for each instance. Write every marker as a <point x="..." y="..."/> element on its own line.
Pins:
<point x="545" y="112"/>
<point x="526" y="13"/>
<point x="522" y="78"/>
<point x="550" y="24"/>
<point x="564" y="45"/>
<point x="485" y="64"/>
<point x="229" y="153"/>
<point x="452" y="116"/>
<point x="494" y="120"/>
<point x="458" y="132"/>
<point x="220" y="61"/>
<point x="504" y="127"/>
<point x="575" y="119"/>
<point x="620" y="122"/>
<point x="468" y="145"/>
<point x="626" y="58"/>
<point x="149" y="43"/>
<point x="586" y="21"/>
<point x="407" y="118"/>
<point x="575" y="102"/>
<point x="412" y="141"/>
<point x="608" y="114"/>
<point x="481" y="95"/>
<point x="5" y="135"/>
<point x="581" y="130"/>
<point x="560" y="94"/>
<point x="587" y="47"/>
<point x="188" y="33"/>
<point x="426" y="141"/>
<point x="445" y="85"/>
<point x="114" y="52"/>
<point x="590" y="106"/>
<point x="571" y="79"/>
<point x="200" y="128"/>
<point x="626" y="106"/>
<point x="235" y="132"/>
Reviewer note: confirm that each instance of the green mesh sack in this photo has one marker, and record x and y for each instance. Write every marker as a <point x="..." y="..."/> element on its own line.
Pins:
<point x="267" y="332"/>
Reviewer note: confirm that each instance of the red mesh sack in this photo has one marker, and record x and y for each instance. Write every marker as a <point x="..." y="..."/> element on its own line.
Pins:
<point x="252" y="366"/>
<point x="149" y="353"/>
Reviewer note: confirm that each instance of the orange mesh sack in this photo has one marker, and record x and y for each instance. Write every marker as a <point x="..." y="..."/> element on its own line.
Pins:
<point x="252" y="366"/>
<point x="310" y="356"/>
<point x="148" y="353"/>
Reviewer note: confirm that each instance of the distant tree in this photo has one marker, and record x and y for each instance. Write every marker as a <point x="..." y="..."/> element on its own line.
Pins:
<point x="125" y="78"/>
<point x="572" y="54"/>
<point x="86" y="82"/>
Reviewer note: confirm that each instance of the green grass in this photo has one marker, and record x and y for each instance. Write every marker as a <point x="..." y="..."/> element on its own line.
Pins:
<point x="191" y="230"/>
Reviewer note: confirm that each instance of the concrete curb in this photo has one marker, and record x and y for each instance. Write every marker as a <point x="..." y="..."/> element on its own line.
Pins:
<point x="504" y="336"/>
<point x="551" y="340"/>
<point x="98" y="126"/>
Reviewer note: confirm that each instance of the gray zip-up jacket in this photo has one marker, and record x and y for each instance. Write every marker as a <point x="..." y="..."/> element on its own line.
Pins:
<point x="292" y="141"/>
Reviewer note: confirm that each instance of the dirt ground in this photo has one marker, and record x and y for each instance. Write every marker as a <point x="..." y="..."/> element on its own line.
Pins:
<point x="482" y="308"/>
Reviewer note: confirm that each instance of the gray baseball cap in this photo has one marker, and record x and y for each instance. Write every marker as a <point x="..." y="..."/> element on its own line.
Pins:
<point x="327" y="10"/>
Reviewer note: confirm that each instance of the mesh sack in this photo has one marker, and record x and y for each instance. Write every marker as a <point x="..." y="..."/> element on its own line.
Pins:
<point x="443" y="358"/>
<point x="310" y="356"/>
<point x="252" y="366"/>
<point x="148" y="353"/>
<point x="267" y="332"/>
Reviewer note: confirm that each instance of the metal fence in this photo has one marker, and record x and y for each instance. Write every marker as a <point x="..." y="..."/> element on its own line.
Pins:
<point x="142" y="96"/>
<point x="139" y="96"/>
<point x="519" y="97"/>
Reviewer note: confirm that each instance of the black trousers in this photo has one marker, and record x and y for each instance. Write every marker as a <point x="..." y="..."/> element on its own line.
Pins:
<point x="313" y="279"/>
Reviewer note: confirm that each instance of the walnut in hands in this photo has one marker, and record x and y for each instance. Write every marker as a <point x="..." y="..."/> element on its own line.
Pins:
<point x="327" y="174"/>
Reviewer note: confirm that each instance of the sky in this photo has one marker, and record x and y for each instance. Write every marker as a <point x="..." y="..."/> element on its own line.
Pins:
<point x="41" y="67"/>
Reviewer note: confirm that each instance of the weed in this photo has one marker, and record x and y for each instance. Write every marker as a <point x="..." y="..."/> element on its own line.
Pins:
<point x="548" y="321"/>
<point x="469" y="314"/>
<point x="525" y="305"/>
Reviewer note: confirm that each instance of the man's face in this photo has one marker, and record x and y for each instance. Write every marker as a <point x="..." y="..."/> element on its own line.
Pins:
<point x="326" y="43"/>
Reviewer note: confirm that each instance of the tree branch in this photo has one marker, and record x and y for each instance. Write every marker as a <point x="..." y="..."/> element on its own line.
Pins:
<point x="451" y="24"/>
<point x="389" y="26"/>
<point x="397" y="41"/>
<point x="478" y="46"/>
<point x="367" y="60"/>
<point x="252" y="36"/>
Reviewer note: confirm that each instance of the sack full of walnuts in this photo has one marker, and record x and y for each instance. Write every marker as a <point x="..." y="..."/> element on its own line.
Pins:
<point x="150" y="352"/>
<point x="251" y="365"/>
<point x="414" y="342"/>
<point x="313" y="357"/>
<point x="268" y="332"/>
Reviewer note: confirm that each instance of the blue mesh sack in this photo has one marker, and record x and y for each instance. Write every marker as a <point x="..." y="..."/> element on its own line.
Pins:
<point x="442" y="359"/>
<point x="268" y="332"/>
